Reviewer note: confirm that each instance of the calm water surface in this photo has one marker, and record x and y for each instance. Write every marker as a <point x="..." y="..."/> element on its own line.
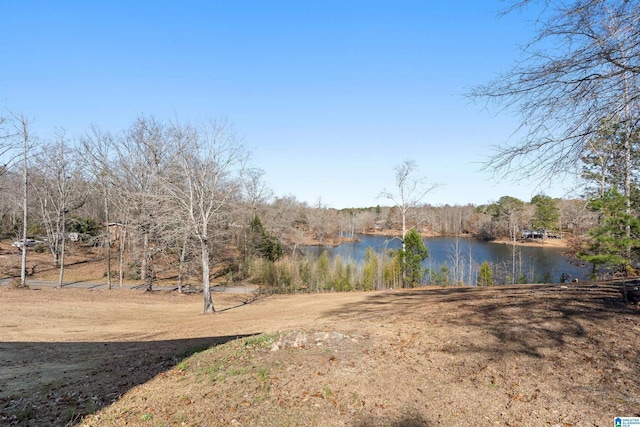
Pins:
<point x="537" y="263"/>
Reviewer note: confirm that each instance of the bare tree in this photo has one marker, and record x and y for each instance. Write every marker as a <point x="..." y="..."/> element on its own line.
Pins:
<point x="318" y="220"/>
<point x="10" y="133"/>
<point x="508" y="212"/>
<point x="257" y="194"/>
<point x="22" y="131"/>
<point x="8" y="151"/>
<point x="144" y="155"/>
<point x="96" y="147"/>
<point x="576" y="216"/>
<point x="286" y="218"/>
<point x="408" y="193"/>
<point x="581" y="69"/>
<point x="59" y="189"/>
<point x="10" y="202"/>
<point x="346" y="221"/>
<point x="256" y="190"/>
<point x="206" y="177"/>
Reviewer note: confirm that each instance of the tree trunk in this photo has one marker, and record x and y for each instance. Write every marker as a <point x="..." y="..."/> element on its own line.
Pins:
<point x="183" y="253"/>
<point x="108" y="231"/>
<point x="54" y="252"/>
<point x="513" y="255"/>
<point x="145" y="252"/>
<point x="206" y="282"/>
<point x="149" y="273"/>
<point x="61" y="277"/>
<point x="62" y="251"/>
<point x="123" y="235"/>
<point x="404" y="247"/>
<point x="23" y="270"/>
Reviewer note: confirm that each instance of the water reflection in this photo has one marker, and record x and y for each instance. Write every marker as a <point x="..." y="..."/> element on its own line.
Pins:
<point x="464" y="255"/>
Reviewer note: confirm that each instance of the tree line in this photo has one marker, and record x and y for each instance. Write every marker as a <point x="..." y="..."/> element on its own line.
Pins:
<point x="576" y="90"/>
<point x="161" y="193"/>
<point x="166" y="187"/>
<point x="160" y="189"/>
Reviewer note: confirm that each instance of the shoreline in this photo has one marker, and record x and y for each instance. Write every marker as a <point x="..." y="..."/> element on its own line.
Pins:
<point x="548" y="243"/>
<point x="538" y="243"/>
<point x="338" y="240"/>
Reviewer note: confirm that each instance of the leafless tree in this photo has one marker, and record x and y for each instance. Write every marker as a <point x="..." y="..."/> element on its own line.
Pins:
<point x="319" y="220"/>
<point x="206" y="176"/>
<point x="408" y="193"/>
<point x="144" y="156"/>
<point x="364" y="220"/>
<point x="576" y="216"/>
<point x="508" y="213"/>
<point x="581" y="69"/>
<point x="24" y="139"/>
<point x="256" y="190"/>
<point x="96" y="147"/>
<point x="60" y="189"/>
<point x="346" y="222"/>
<point x="286" y="218"/>
<point x="7" y="144"/>
<point x="8" y="151"/>
<point x="10" y="202"/>
<point x="256" y="195"/>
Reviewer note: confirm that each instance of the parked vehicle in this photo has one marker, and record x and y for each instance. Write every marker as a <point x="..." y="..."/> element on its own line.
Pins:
<point x="29" y="242"/>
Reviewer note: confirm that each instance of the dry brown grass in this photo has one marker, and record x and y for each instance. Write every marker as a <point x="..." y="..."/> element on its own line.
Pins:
<point x="83" y="263"/>
<point x="519" y="356"/>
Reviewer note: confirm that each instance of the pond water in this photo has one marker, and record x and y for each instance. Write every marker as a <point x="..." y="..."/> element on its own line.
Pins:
<point x="464" y="256"/>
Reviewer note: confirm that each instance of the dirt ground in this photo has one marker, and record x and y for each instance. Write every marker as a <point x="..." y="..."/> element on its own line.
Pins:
<point x="529" y="355"/>
<point x="539" y="243"/>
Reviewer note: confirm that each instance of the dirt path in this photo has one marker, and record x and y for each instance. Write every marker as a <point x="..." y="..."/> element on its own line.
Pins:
<point x="518" y="356"/>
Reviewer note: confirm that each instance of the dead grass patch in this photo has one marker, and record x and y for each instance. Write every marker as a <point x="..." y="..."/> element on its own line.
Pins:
<point x="523" y="355"/>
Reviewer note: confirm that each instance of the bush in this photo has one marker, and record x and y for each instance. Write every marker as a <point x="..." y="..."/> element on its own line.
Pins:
<point x="485" y="276"/>
<point x="310" y="274"/>
<point x="78" y="224"/>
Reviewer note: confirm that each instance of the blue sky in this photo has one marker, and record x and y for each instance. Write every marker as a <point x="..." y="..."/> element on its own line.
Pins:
<point x="328" y="95"/>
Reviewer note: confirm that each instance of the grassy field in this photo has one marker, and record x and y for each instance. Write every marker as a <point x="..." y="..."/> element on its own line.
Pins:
<point x="529" y="355"/>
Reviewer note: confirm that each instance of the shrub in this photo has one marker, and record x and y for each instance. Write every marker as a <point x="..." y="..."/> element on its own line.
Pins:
<point x="485" y="276"/>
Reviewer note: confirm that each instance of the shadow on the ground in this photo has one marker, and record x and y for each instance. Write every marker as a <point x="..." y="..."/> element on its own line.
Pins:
<point x="523" y="319"/>
<point x="410" y="419"/>
<point x="57" y="383"/>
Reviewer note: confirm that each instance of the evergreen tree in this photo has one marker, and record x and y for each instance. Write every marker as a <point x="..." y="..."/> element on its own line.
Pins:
<point x="603" y="160"/>
<point x="261" y="243"/>
<point x="412" y="256"/>
<point x="485" y="275"/>
<point x="547" y="213"/>
<point x="370" y="269"/>
<point x="441" y="277"/>
<point x="323" y="269"/>
<point x="610" y="245"/>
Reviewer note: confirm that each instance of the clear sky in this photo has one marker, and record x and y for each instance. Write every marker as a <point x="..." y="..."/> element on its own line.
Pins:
<point x="328" y="95"/>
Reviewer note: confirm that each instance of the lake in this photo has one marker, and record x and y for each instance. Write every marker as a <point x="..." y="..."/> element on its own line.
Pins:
<point x="464" y="255"/>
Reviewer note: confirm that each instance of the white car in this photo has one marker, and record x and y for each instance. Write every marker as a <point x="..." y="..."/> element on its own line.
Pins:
<point x="29" y="242"/>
